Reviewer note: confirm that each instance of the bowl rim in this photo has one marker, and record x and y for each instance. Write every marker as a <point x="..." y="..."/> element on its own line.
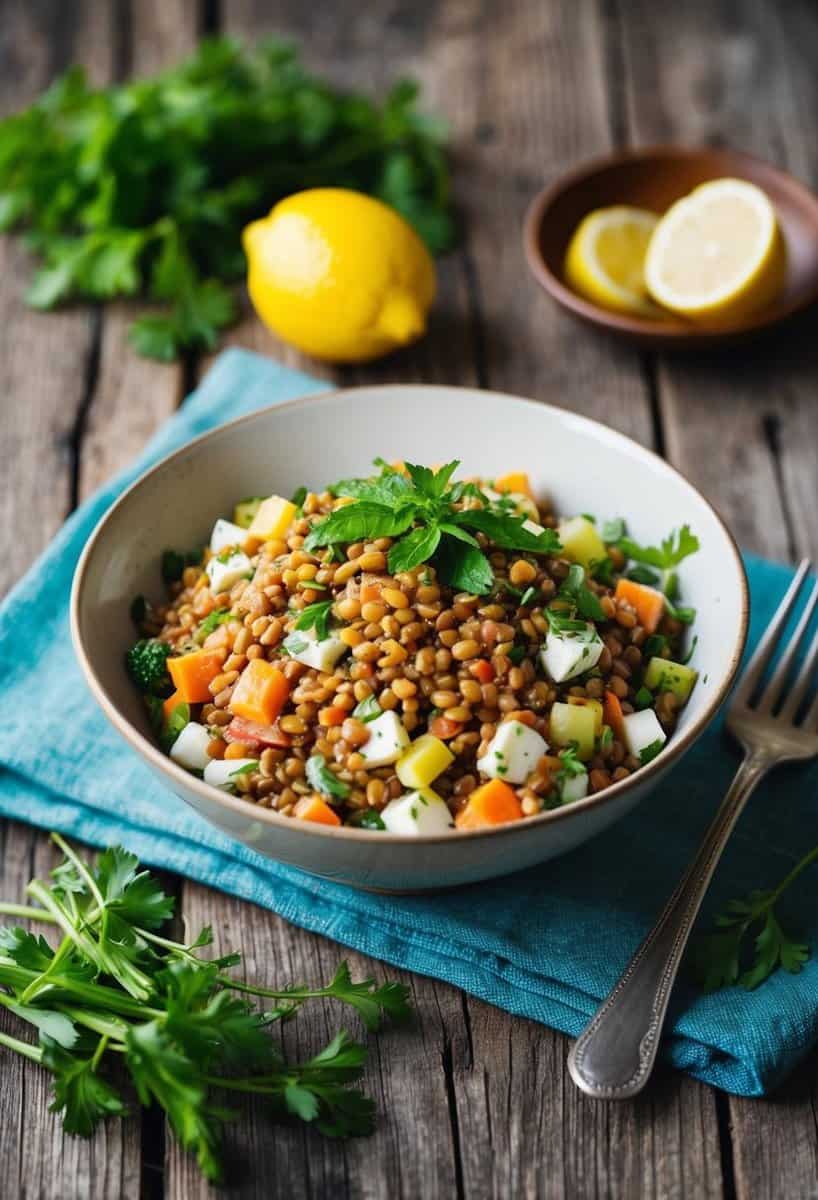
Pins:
<point x="672" y="331"/>
<point x="674" y="749"/>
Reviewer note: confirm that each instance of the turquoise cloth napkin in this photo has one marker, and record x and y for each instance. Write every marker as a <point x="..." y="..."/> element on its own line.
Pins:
<point x="547" y="943"/>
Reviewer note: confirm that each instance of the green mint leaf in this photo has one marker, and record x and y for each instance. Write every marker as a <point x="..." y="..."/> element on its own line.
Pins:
<point x="508" y="531"/>
<point x="390" y="488"/>
<point x="414" y="548"/>
<point x="361" y="521"/>
<point x="462" y="567"/>
<point x="461" y="534"/>
<point x="323" y="780"/>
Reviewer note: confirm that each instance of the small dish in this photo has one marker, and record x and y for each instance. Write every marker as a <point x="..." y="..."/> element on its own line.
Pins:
<point x="654" y="178"/>
<point x="336" y="435"/>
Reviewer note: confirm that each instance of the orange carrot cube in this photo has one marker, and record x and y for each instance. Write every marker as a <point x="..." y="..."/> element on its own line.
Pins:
<point x="515" y="481"/>
<point x="312" y="808"/>
<point x="260" y="693"/>
<point x="492" y="804"/>
<point x="193" y="673"/>
<point x="647" y="601"/>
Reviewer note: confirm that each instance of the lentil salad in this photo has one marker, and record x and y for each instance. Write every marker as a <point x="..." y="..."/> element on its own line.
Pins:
<point x="412" y="654"/>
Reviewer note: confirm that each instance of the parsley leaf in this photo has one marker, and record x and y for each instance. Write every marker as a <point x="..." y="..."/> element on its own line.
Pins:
<point x="212" y="621"/>
<point x="314" y="616"/>
<point x="323" y="780"/>
<point x="367" y="710"/>
<point x="83" y="1096"/>
<point x="575" y="589"/>
<point x="361" y="521"/>
<point x="648" y="753"/>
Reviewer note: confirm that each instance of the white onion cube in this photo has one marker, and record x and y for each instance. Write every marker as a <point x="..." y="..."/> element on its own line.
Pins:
<point x="513" y="752"/>
<point x="305" y="647"/>
<point x="574" y="787"/>
<point x="417" y="813"/>
<point x="223" y="772"/>
<point x="226" y="569"/>
<point x="225" y="534"/>
<point x="190" y="748"/>
<point x="387" y="741"/>
<point x="642" y="729"/>
<point x="565" y="655"/>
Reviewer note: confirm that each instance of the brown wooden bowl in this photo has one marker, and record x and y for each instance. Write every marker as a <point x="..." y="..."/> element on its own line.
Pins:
<point x="654" y="178"/>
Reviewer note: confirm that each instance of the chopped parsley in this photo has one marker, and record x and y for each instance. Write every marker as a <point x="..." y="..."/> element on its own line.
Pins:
<point x="648" y="753"/>
<point x="246" y="769"/>
<point x="323" y="780"/>
<point x="644" y="697"/>
<point x="367" y="710"/>
<point x="367" y="818"/>
<point x="212" y="621"/>
<point x="575" y="589"/>
<point x="315" y="616"/>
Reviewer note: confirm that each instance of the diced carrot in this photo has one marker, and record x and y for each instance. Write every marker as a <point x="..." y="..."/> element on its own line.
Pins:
<point x="332" y="715"/>
<point x="649" y="604"/>
<point x="313" y="808"/>
<point x="443" y="728"/>
<point x="171" y="703"/>
<point x="515" y="481"/>
<point x="260" y="693"/>
<point x="370" y="590"/>
<point x="482" y="670"/>
<point x="612" y="712"/>
<point x="256" y="734"/>
<point x="192" y="673"/>
<point x="492" y="804"/>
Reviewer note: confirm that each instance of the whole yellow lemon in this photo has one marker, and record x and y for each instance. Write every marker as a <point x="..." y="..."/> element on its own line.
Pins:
<point x="339" y="274"/>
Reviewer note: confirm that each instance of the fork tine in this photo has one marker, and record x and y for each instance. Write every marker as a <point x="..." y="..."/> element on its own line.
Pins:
<point x="799" y="689"/>
<point x="773" y="690"/>
<point x="763" y="651"/>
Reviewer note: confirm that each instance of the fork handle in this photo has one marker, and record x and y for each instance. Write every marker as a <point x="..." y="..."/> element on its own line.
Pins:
<point x="614" y="1056"/>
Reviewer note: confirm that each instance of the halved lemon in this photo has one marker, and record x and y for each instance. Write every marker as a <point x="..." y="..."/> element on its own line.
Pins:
<point x="717" y="254"/>
<point x="606" y="256"/>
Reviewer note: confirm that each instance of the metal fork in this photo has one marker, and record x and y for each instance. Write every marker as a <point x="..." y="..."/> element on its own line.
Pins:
<point x="614" y="1056"/>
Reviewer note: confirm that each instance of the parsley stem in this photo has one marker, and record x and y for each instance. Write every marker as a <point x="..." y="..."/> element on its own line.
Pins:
<point x="13" y="1043"/>
<point x="27" y="912"/>
<point x="98" y="1053"/>
<point x="810" y="857"/>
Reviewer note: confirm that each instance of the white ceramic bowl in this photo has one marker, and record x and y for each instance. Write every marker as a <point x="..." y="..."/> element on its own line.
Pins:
<point x="582" y="465"/>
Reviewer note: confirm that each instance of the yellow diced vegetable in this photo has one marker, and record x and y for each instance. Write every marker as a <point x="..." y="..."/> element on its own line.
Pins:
<point x="581" y="542"/>
<point x="595" y="707"/>
<point x="273" y="519"/>
<point x="424" y="760"/>
<point x="571" y="725"/>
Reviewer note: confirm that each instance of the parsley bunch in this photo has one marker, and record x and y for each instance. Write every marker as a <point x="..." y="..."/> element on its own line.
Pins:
<point x="421" y="511"/>
<point x="115" y="989"/>
<point x="723" y="958"/>
<point x="145" y="188"/>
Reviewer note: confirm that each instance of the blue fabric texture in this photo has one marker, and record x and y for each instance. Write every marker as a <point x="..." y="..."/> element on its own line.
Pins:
<point x="547" y="943"/>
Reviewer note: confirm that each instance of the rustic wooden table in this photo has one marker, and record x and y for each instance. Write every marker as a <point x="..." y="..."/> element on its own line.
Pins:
<point x="475" y="1103"/>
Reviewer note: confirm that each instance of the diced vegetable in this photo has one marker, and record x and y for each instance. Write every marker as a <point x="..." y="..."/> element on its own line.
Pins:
<point x="512" y="753"/>
<point x="260" y="693"/>
<point x="225" y="534"/>
<point x="172" y="701"/>
<point x="566" y="654"/>
<point x="574" y="787"/>
<point x="571" y="725"/>
<point x="273" y="518"/>
<point x="256" y="734"/>
<point x="581" y="542"/>
<point x="146" y="663"/>
<point x="426" y="758"/>
<point x="387" y="741"/>
<point x="647" y="601"/>
<point x="306" y="647"/>
<point x="223" y="772"/>
<point x="245" y="511"/>
<point x="643" y="731"/>
<point x="515" y="481"/>
<point x="228" y="568"/>
<point x="482" y="670"/>
<point x="664" y="675"/>
<point x="418" y="813"/>
<point x="192" y="674"/>
<point x="313" y="808"/>
<point x="190" y="748"/>
<point x="443" y="728"/>
<point x="595" y="707"/>
<point x="612" y="712"/>
<point x="494" y="803"/>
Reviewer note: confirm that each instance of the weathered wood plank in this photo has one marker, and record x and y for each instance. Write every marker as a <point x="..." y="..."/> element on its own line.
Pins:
<point x="739" y="423"/>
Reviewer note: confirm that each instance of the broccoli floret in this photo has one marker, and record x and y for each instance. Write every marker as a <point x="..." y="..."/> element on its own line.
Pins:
<point x="146" y="662"/>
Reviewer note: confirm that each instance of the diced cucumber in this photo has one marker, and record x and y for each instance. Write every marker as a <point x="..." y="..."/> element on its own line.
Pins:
<point x="581" y="541"/>
<point x="572" y="725"/>
<point x="664" y="675"/>
<point x="246" y="510"/>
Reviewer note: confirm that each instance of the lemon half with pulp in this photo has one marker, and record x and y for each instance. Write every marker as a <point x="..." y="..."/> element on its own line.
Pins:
<point x="606" y="256"/>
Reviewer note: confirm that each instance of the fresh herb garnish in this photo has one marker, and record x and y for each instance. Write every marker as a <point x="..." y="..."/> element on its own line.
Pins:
<point x="298" y="497"/>
<point x="561" y="623"/>
<point x="246" y="769"/>
<point x="685" y="658"/>
<point x="516" y="654"/>
<point x="117" y="992"/>
<point x="648" y="753"/>
<point x="605" y="738"/>
<point x="367" y="710"/>
<point x="146" y="187"/>
<point x="643" y="698"/>
<point x="367" y="818"/>
<point x="602" y="570"/>
<point x="686" y="615"/>
<point x="315" y="616"/>
<point x="613" y="530"/>
<point x="420" y="510"/>
<point x="322" y="779"/>
<point x="212" y="621"/>
<point x="528" y="595"/>
<point x="673" y="550"/>
<point x="571" y="766"/>
<point x="644" y="575"/>
<point x="175" y="561"/>
<point x="654" y="646"/>
<point x="717" y="957"/>
<point x="173" y="725"/>
<point x="575" y="589"/>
